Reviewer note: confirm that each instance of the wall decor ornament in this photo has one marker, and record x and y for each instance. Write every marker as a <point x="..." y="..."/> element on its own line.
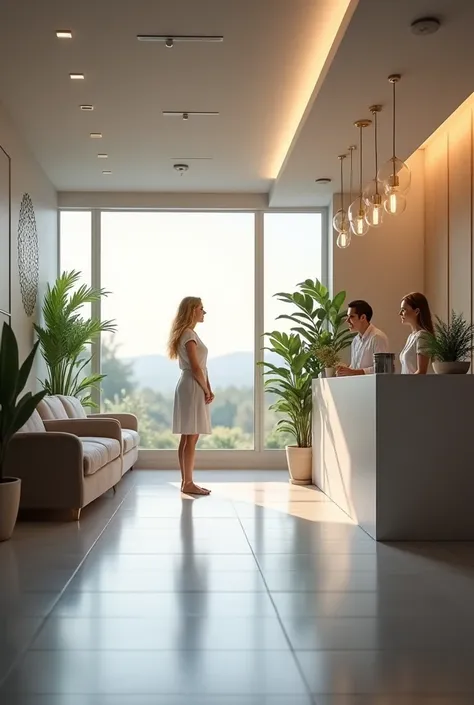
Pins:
<point x="28" y="255"/>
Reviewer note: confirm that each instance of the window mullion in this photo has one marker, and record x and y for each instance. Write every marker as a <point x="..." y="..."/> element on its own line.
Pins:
<point x="96" y="305"/>
<point x="259" y="400"/>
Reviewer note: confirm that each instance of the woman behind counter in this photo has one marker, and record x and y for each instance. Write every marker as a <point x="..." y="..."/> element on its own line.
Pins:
<point x="415" y="312"/>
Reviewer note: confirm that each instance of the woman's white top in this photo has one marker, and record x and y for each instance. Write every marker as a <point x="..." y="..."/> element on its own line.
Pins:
<point x="413" y="347"/>
<point x="201" y="351"/>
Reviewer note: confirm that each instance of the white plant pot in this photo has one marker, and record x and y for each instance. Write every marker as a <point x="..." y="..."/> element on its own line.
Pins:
<point x="329" y="371"/>
<point x="299" y="464"/>
<point x="10" y="490"/>
<point x="451" y="368"/>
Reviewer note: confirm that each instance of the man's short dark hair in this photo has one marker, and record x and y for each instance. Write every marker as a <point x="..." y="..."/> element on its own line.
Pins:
<point x="362" y="308"/>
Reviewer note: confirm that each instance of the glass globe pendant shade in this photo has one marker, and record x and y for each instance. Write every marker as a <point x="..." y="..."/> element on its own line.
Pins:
<point x="344" y="239"/>
<point x="395" y="202"/>
<point x="357" y="211"/>
<point x="340" y="222"/>
<point x="395" y="174"/>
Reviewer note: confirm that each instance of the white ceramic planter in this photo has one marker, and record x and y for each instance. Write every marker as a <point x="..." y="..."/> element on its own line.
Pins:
<point x="451" y="368"/>
<point x="299" y="464"/>
<point x="329" y="371"/>
<point x="10" y="490"/>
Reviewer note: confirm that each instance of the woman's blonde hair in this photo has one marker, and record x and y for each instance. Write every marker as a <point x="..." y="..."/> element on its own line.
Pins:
<point x="183" y="319"/>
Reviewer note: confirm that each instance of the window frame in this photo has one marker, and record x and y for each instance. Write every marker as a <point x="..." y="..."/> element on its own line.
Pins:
<point x="259" y="457"/>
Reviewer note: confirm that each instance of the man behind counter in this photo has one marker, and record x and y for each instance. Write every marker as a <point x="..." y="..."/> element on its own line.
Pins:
<point x="367" y="341"/>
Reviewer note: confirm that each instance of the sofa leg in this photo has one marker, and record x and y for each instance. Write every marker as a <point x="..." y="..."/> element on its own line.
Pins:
<point x="115" y="489"/>
<point x="76" y="514"/>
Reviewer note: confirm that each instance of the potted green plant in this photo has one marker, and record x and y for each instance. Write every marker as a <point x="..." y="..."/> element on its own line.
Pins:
<point x="319" y="326"/>
<point x="450" y="346"/>
<point x="317" y="314"/>
<point x="326" y="352"/>
<point x="66" y="335"/>
<point x="14" y="413"/>
<point x="292" y="385"/>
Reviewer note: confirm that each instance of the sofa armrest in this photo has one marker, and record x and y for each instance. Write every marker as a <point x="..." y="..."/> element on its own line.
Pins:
<point x="51" y="468"/>
<point x="128" y="421"/>
<point x="100" y="428"/>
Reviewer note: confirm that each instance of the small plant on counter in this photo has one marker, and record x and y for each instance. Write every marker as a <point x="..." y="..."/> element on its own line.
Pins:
<point x="325" y="351"/>
<point x="452" y="341"/>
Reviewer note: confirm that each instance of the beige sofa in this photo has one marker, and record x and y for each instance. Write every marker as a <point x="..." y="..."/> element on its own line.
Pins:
<point x="59" y="407"/>
<point x="66" y="463"/>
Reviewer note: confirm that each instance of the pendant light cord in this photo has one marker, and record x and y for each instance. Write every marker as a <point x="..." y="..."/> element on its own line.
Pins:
<point x="360" y="169"/>
<point x="376" y="155"/>
<point x="342" y="184"/>
<point x="350" y="182"/>
<point x="393" y="135"/>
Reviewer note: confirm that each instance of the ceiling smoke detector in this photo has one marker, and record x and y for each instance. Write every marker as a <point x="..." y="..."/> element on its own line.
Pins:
<point x="180" y="168"/>
<point x="424" y="26"/>
<point x="323" y="181"/>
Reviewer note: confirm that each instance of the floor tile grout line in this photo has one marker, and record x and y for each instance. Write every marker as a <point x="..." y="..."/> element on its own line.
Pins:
<point x="278" y="616"/>
<point x="17" y="661"/>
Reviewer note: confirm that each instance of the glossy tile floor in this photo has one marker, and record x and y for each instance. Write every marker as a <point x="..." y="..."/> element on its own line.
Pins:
<point x="262" y="594"/>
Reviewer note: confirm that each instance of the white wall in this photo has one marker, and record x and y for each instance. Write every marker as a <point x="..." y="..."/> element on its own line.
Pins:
<point x="28" y="177"/>
<point x="388" y="262"/>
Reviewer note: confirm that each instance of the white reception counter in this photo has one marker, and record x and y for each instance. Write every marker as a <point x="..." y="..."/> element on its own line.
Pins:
<point x="396" y="453"/>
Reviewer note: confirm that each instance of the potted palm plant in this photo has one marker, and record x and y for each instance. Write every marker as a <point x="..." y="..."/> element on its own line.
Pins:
<point x="14" y="413"/>
<point x="66" y="335"/>
<point x="318" y="336"/>
<point x="292" y="385"/>
<point x="450" y="346"/>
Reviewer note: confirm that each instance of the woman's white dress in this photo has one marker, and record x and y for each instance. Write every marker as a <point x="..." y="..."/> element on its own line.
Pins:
<point x="413" y="347"/>
<point x="191" y="414"/>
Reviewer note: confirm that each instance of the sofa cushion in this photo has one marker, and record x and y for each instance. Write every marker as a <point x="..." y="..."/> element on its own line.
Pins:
<point x="98" y="452"/>
<point x="73" y="407"/>
<point x="130" y="439"/>
<point x="33" y="425"/>
<point x="50" y="408"/>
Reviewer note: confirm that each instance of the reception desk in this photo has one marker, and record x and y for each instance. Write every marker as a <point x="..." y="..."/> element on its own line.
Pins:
<point x="396" y="453"/>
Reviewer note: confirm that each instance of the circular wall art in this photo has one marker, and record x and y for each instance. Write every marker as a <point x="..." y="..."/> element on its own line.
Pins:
<point x="28" y="254"/>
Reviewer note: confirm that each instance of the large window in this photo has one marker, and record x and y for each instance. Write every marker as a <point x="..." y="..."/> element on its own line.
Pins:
<point x="292" y="253"/>
<point x="149" y="262"/>
<point x="236" y="262"/>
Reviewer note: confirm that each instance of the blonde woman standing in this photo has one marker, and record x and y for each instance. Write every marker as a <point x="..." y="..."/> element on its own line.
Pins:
<point x="191" y="416"/>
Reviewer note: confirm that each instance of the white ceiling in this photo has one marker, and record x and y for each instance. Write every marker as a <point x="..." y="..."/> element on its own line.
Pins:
<point x="257" y="78"/>
<point x="278" y="56"/>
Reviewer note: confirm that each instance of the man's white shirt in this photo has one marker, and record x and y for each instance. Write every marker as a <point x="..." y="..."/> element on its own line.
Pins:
<point x="364" y="346"/>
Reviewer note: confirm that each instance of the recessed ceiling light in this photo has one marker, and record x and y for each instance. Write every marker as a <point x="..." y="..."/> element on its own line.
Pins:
<point x="102" y="156"/>
<point x="76" y="76"/>
<point x="64" y="34"/>
<point x="323" y="180"/>
<point x="106" y="172"/>
<point x="87" y="108"/>
<point x="96" y="135"/>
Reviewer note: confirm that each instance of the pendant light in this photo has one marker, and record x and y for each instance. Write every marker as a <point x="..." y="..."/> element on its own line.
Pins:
<point x="395" y="175"/>
<point x="374" y="189"/>
<point x="358" y="208"/>
<point x="341" y="221"/>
